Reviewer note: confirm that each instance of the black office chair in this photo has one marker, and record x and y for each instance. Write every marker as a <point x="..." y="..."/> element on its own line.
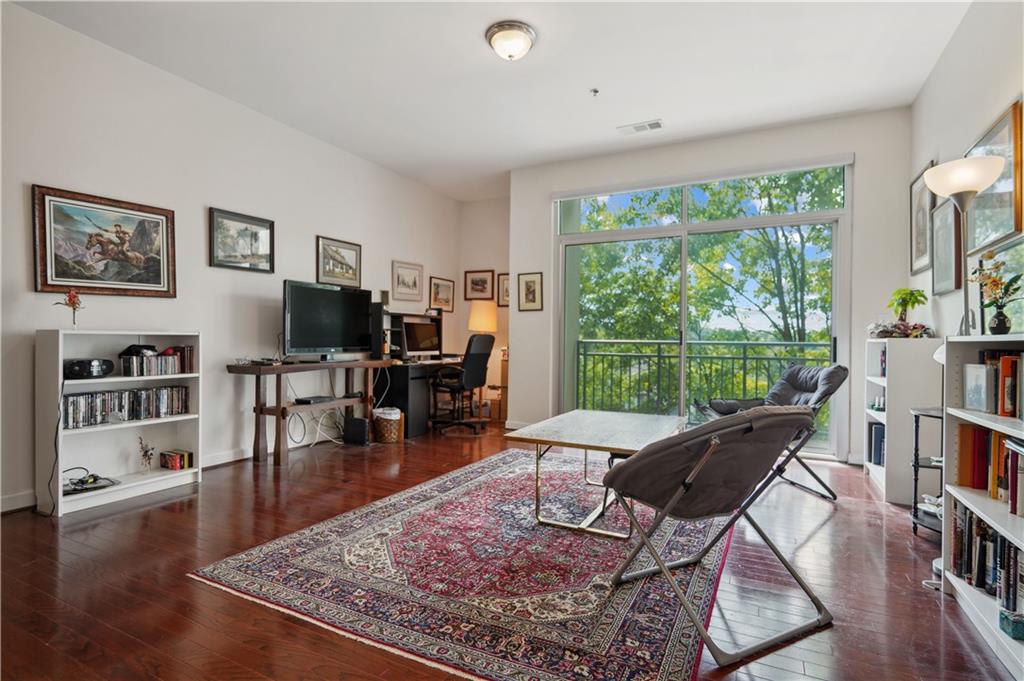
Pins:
<point x="798" y="386"/>
<point x="457" y="381"/>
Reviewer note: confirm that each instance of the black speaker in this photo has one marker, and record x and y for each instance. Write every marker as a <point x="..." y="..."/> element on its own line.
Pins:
<point x="357" y="431"/>
<point x="87" y="368"/>
<point x="376" y="330"/>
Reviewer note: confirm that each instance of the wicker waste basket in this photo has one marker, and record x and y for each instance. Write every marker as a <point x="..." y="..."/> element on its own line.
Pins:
<point x="387" y="424"/>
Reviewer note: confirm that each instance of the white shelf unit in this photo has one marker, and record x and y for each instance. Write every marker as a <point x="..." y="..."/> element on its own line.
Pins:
<point x="981" y="609"/>
<point x="912" y="379"/>
<point x="111" y="449"/>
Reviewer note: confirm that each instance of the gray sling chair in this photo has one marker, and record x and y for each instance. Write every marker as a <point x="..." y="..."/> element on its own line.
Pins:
<point x="799" y="385"/>
<point x="717" y="469"/>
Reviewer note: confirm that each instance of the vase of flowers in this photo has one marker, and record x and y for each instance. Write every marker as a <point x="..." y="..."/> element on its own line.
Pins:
<point x="996" y="291"/>
<point x="74" y="301"/>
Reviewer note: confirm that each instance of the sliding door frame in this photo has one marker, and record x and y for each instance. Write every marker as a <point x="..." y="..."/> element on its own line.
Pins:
<point x="842" y="247"/>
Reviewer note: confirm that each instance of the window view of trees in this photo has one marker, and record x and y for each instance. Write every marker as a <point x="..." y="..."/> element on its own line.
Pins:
<point x="757" y="299"/>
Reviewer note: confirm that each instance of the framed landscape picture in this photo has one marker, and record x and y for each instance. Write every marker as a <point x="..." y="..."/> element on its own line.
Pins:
<point x="503" y="295"/>
<point x="241" y="242"/>
<point x="946" y="274"/>
<point x="922" y="201"/>
<point x="479" y="285"/>
<point x="102" y="246"/>
<point x="996" y="212"/>
<point x="531" y="292"/>
<point x="442" y="294"/>
<point x="339" y="262"/>
<point x="406" y="280"/>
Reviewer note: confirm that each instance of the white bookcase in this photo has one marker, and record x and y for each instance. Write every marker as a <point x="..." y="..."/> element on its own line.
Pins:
<point x="112" y="449"/>
<point x="912" y="379"/>
<point x="981" y="609"/>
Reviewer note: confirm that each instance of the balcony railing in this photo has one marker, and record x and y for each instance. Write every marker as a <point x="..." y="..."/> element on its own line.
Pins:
<point x="643" y="376"/>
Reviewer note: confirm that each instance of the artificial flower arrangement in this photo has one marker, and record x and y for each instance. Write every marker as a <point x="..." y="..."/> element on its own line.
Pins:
<point x="74" y="301"/>
<point x="996" y="290"/>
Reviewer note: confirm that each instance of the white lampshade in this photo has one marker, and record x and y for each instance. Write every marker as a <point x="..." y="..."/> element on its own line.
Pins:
<point x="483" y="316"/>
<point x="511" y="40"/>
<point x="971" y="174"/>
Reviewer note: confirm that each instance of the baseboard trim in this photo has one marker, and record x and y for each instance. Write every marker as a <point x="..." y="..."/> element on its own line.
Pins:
<point x="18" y="501"/>
<point x="227" y="456"/>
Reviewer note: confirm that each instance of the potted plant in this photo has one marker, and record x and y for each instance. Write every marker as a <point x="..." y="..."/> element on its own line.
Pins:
<point x="905" y="299"/>
<point x="996" y="291"/>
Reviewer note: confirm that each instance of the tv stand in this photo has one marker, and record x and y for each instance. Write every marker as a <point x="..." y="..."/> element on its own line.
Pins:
<point x="283" y="409"/>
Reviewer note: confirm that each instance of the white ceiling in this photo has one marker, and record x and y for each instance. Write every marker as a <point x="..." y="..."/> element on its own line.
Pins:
<point x="415" y="88"/>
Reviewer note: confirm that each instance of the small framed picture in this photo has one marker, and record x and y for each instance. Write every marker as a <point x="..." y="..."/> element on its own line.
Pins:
<point x="101" y="246"/>
<point x="531" y="292"/>
<point x="922" y="201"/>
<point x="442" y="294"/>
<point x="406" y="281"/>
<point x="479" y="285"/>
<point x="978" y="388"/>
<point x="503" y="296"/>
<point x="339" y="262"/>
<point x="241" y="242"/>
<point x="995" y="213"/>
<point x="946" y="274"/>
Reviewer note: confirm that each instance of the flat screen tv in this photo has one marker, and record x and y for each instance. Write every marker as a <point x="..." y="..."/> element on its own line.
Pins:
<point x="421" y="339"/>
<point x="321" y="319"/>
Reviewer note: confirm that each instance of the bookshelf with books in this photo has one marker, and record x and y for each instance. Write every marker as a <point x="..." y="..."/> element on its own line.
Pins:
<point x="95" y="424"/>
<point x="900" y="374"/>
<point x="984" y="493"/>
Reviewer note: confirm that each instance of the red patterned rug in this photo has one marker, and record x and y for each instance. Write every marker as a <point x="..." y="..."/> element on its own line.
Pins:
<point x="456" y="573"/>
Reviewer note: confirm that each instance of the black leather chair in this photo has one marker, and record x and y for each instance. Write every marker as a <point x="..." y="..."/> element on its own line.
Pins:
<point x="799" y="385"/>
<point x="458" y="381"/>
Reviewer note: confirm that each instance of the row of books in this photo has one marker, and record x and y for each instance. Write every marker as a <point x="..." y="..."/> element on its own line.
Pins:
<point x="994" y="384"/>
<point x="176" y="459"/>
<point x="96" y="408"/>
<point x="986" y="560"/>
<point x="993" y="462"/>
<point x="876" y="443"/>
<point x="177" y="359"/>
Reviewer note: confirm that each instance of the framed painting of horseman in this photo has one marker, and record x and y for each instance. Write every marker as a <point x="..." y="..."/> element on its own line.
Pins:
<point x="102" y="246"/>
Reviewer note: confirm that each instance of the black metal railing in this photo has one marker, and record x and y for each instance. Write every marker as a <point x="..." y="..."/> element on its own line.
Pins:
<point x="643" y="376"/>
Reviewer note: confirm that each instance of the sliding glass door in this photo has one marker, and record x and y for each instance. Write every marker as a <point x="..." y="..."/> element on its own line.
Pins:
<point x="699" y="292"/>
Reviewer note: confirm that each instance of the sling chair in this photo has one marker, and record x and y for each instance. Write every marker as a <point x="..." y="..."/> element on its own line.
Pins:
<point x="717" y="469"/>
<point x="799" y="385"/>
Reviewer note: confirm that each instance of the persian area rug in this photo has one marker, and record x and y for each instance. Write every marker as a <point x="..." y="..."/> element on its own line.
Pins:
<point x="456" y="573"/>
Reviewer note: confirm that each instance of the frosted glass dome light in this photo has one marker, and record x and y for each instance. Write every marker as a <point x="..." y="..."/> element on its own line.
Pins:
<point x="511" y="40"/>
<point x="972" y="174"/>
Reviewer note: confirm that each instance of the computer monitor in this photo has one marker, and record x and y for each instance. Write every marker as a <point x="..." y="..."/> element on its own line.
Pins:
<point x="421" y="339"/>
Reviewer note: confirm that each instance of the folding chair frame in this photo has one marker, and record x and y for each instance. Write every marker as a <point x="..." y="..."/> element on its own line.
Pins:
<point x="722" y="657"/>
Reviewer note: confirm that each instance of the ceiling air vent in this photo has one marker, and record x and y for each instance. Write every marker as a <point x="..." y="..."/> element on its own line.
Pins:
<point x="644" y="126"/>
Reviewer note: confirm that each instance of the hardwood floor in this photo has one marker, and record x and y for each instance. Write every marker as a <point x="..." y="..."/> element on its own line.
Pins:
<point x="104" y="595"/>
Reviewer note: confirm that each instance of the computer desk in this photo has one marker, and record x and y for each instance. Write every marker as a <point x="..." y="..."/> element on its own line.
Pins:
<point x="410" y="391"/>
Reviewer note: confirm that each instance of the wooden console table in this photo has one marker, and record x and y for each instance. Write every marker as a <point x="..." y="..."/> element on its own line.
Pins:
<point x="282" y="409"/>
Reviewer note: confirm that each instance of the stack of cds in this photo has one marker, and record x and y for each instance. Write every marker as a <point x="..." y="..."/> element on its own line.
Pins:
<point x="93" y="409"/>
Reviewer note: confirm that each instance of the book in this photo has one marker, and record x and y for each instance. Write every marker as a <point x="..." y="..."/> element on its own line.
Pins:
<point x="1007" y="377"/>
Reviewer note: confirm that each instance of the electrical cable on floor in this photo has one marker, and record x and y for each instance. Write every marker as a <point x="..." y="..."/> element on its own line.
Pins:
<point x="387" y="372"/>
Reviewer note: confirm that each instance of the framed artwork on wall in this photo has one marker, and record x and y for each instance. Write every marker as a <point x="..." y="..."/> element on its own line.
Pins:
<point x="946" y="274"/>
<point x="478" y="285"/>
<point x="531" y="292"/>
<point x="922" y="201"/>
<point x="996" y="212"/>
<point x="339" y="262"/>
<point x="241" y="242"/>
<point x="406" y="280"/>
<point x="102" y="246"/>
<point x="442" y="294"/>
<point x="503" y="294"/>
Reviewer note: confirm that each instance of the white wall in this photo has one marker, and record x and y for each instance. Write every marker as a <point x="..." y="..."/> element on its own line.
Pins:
<point x="978" y="76"/>
<point x="881" y="144"/>
<point x="82" y="116"/>
<point x="483" y="245"/>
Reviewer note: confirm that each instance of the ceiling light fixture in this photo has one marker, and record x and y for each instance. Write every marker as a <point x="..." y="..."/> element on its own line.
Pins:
<point x="511" y="40"/>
